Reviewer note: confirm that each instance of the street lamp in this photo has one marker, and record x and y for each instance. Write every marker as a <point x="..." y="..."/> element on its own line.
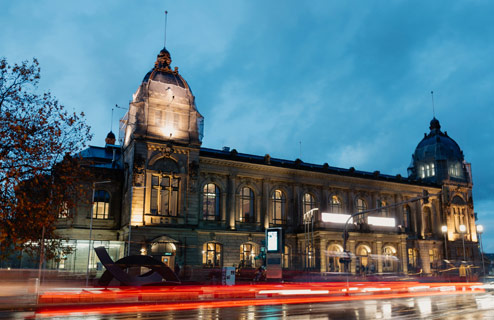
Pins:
<point x="309" y="235"/>
<point x="444" y="230"/>
<point x="480" y="229"/>
<point x="91" y="229"/>
<point x="463" y="229"/>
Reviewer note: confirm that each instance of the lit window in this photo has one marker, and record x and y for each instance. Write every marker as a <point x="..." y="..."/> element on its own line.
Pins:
<point x="248" y="253"/>
<point x="246" y="213"/>
<point x="384" y="212"/>
<point x="427" y="170"/>
<point x="63" y="212"/>
<point x="308" y="202"/>
<point x="211" y="255"/>
<point x="164" y="195"/>
<point x="433" y="170"/>
<point x="422" y="172"/>
<point x="361" y="206"/>
<point x="278" y="205"/>
<point x="335" y="204"/>
<point x="211" y="202"/>
<point x="455" y="170"/>
<point x="101" y="204"/>
<point x="389" y="257"/>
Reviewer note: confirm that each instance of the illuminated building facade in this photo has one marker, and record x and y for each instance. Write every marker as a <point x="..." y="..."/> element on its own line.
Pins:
<point x="200" y="208"/>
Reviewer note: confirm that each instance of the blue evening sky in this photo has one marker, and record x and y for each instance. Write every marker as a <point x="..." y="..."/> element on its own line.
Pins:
<point x="350" y="80"/>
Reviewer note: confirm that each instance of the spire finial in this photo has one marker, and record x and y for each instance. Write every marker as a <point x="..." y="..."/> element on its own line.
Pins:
<point x="111" y="123"/>
<point x="433" y="111"/>
<point x="166" y="18"/>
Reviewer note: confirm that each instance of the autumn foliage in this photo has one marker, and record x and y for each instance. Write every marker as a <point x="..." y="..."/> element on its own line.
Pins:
<point x="39" y="175"/>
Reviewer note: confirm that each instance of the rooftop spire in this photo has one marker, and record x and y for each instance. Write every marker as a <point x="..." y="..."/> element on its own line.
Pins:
<point x="433" y="111"/>
<point x="166" y="18"/>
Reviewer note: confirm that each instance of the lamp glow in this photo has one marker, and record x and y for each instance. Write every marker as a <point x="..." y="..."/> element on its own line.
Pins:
<point x="444" y="229"/>
<point x="480" y="228"/>
<point x="463" y="229"/>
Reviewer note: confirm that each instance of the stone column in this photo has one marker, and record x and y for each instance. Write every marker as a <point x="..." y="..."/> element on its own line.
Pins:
<point x="351" y="248"/>
<point x="379" y="252"/>
<point x="322" y="249"/>
<point x="265" y="204"/>
<point x="231" y="201"/>
<point x="404" y="255"/>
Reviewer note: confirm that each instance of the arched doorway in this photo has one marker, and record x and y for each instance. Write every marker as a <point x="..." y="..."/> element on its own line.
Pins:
<point x="390" y="261"/>
<point x="164" y="249"/>
<point x="334" y="254"/>
<point x="363" y="263"/>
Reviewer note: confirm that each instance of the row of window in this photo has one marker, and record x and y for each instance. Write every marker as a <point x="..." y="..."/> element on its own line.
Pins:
<point x="278" y="209"/>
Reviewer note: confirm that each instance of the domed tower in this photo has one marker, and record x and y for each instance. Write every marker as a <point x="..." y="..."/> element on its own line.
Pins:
<point x="163" y="108"/>
<point x="438" y="158"/>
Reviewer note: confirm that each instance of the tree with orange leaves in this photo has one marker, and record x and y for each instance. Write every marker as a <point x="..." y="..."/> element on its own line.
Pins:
<point x="39" y="177"/>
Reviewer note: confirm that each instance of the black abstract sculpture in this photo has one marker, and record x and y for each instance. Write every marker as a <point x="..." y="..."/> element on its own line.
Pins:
<point x="159" y="274"/>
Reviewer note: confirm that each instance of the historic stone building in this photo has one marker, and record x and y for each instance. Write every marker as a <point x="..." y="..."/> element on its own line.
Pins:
<point x="160" y="193"/>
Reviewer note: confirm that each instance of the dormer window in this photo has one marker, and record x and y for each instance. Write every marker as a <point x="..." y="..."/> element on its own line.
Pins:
<point x="427" y="170"/>
<point x="455" y="170"/>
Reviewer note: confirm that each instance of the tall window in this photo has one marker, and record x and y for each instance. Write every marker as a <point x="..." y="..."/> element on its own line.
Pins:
<point x="412" y="258"/>
<point x="211" y="255"/>
<point x="101" y="204"/>
<point x="427" y="220"/>
<point x="406" y="217"/>
<point x="361" y="206"/>
<point x="335" y="204"/>
<point x="246" y="205"/>
<point x="308" y="202"/>
<point x="211" y="202"/>
<point x="384" y="212"/>
<point x="248" y="253"/>
<point x="278" y="207"/>
<point x="164" y="195"/>
<point x="455" y="170"/>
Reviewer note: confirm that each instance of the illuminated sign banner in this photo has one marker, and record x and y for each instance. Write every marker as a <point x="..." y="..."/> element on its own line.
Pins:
<point x="381" y="222"/>
<point x="335" y="217"/>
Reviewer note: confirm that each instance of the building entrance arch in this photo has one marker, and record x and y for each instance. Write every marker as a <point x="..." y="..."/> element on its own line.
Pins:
<point x="335" y="252"/>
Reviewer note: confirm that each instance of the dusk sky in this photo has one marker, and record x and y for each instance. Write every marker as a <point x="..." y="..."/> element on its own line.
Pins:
<point x="342" y="82"/>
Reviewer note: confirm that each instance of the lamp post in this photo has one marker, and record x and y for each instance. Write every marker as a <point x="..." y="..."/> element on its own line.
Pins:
<point x="480" y="229"/>
<point x="309" y="235"/>
<point x="463" y="229"/>
<point x="91" y="229"/>
<point x="444" y="230"/>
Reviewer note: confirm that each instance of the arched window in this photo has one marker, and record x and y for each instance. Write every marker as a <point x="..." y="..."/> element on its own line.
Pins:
<point x="101" y="204"/>
<point x="248" y="252"/>
<point x="308" y="202"/>
<point x="384" y="212"/>
<point x="278" y="207"/>
<point x="361" y="206"/>
<point x="335" y="204"/>
<point x="164" y="195"/>
<point x="406" y="217"/>
<point x="211" y="202"/>
<point x="212" y="255"/>
<point x="246" y="211"/>
<point x="427" y="220"/>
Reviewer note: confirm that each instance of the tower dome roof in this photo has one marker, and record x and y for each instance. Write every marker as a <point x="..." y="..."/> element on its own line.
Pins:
<point x="163" y="73"/>
<point x="437" y="146"/>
